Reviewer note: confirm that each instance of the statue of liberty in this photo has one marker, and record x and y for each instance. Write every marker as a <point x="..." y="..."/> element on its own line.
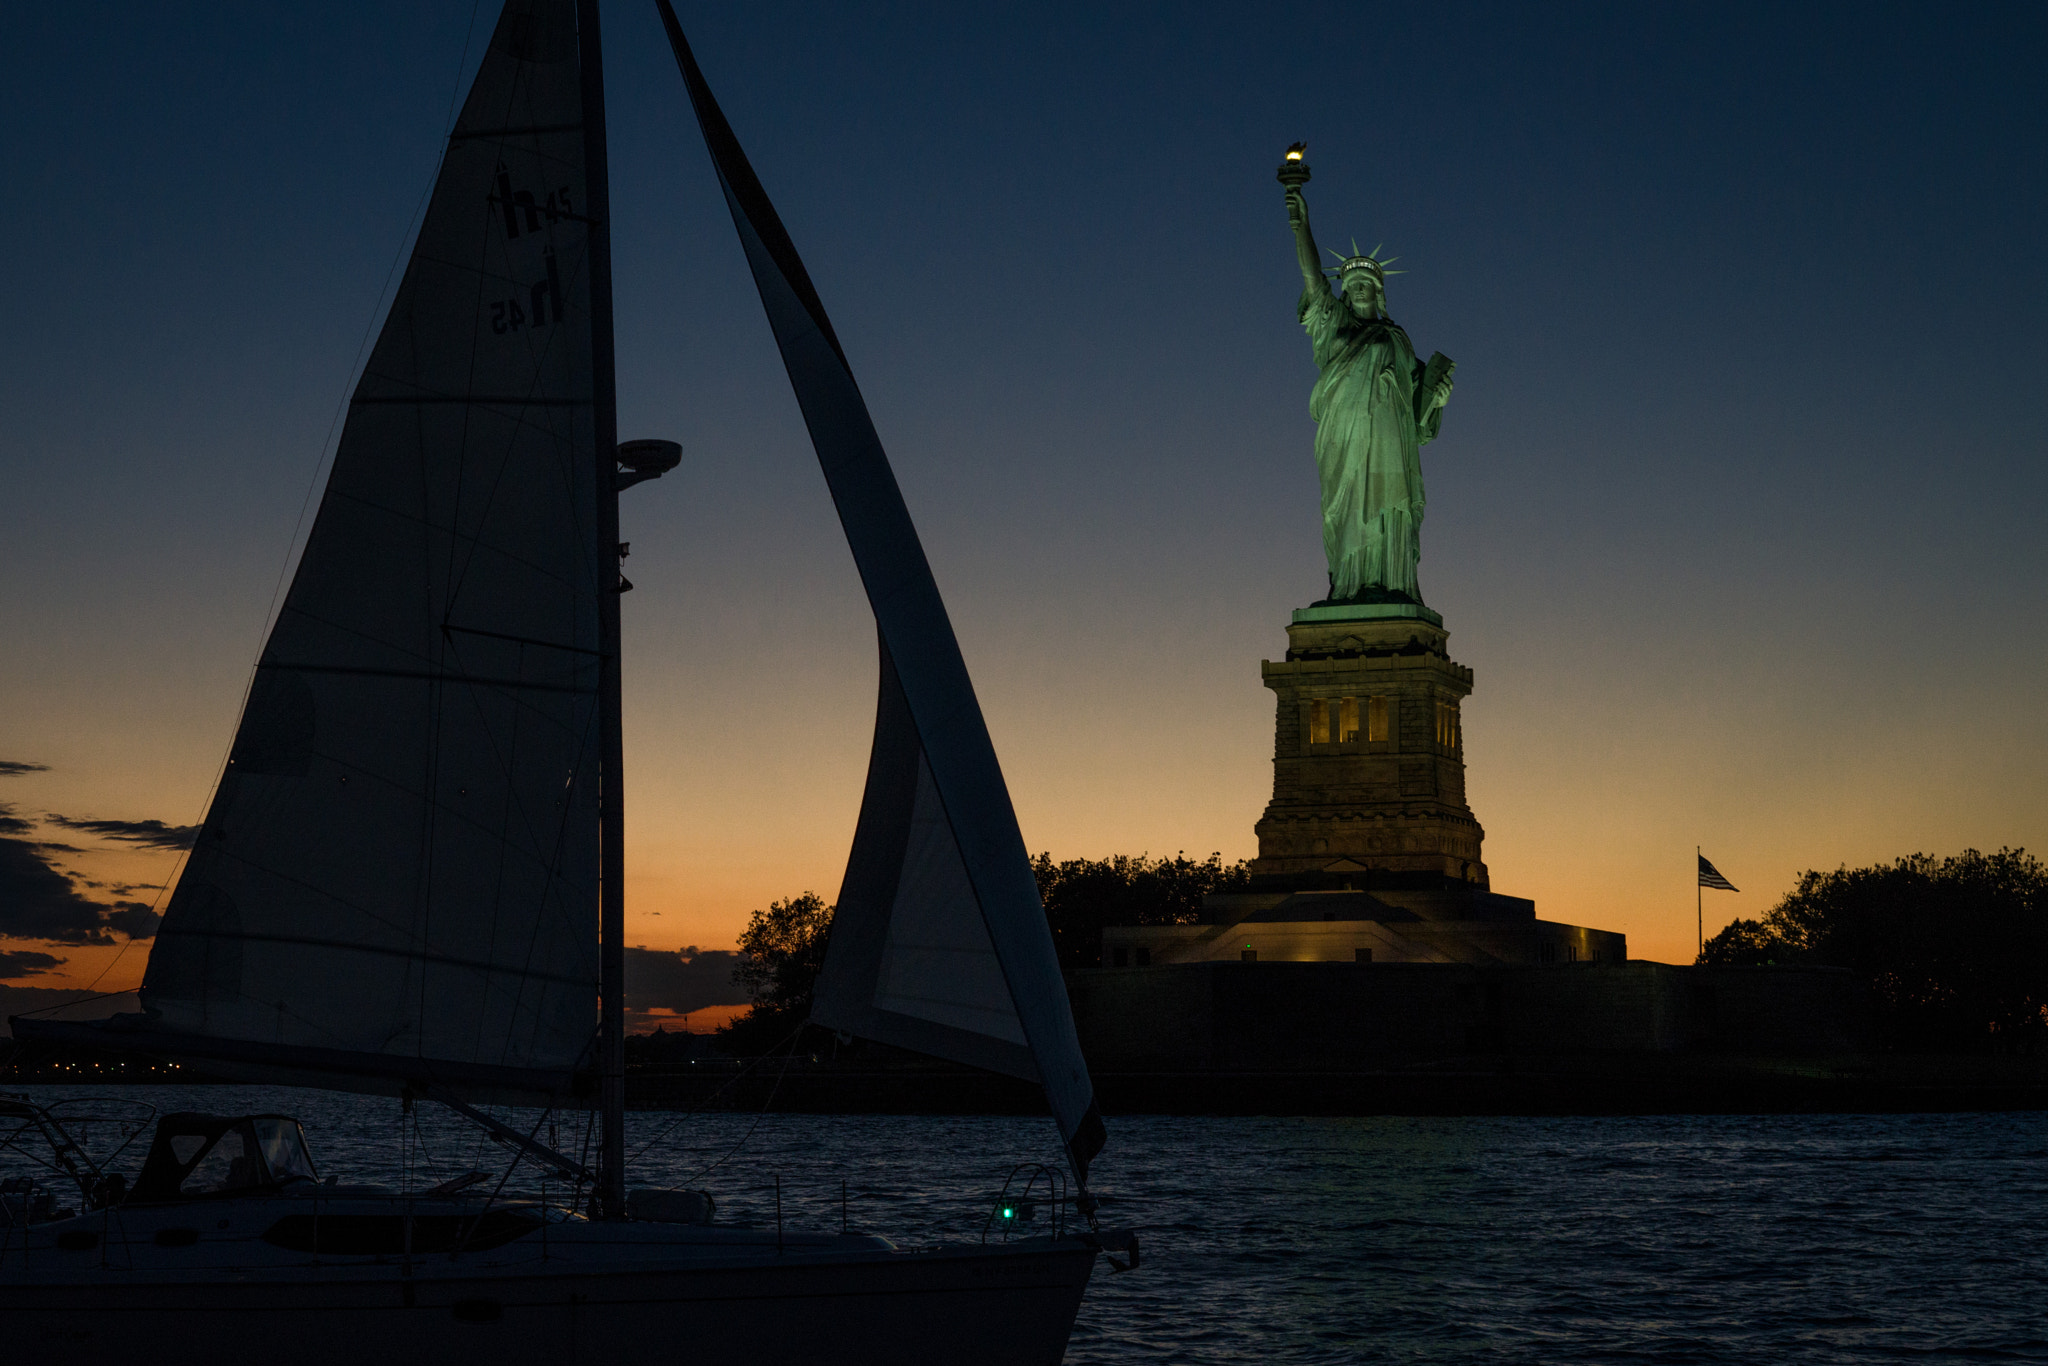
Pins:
<point x="1375" y="407"/>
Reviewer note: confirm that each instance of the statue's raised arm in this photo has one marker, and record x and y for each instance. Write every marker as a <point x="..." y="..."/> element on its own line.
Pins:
<point x="1304" y="240"/>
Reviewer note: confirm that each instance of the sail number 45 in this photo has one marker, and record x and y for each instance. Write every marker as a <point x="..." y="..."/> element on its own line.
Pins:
<point x="543" y="303"/>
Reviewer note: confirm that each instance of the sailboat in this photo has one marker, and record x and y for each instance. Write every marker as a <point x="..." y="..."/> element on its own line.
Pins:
<point x="409" y="878"/>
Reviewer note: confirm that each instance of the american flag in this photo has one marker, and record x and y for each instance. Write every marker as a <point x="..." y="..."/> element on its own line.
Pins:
<point x="1710" y="876"/>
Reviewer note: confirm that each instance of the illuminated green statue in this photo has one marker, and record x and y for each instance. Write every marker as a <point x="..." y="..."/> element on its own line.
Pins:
<point x="1375" y="407"/>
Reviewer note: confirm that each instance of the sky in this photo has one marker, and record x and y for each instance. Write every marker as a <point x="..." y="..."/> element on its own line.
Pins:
<point x="1735" y="514"/>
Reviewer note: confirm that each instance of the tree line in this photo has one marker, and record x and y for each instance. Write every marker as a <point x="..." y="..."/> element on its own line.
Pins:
<point x="1954" y="951"/>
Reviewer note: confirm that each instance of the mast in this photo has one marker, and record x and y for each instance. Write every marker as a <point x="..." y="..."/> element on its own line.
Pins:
<point x="611" y="914"/>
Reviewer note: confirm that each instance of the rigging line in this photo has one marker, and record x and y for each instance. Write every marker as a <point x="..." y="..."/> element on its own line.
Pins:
<point x="496" y="1191"/>
<point x="531" y="130"/>
<point x="583" y="1160"/>
<point x="457" y="577"/>
<point x="423" y="872"/>
<point x="421" y="956"/>
<point x="424" y="657"/>
<point x="512" y="808"/>
<point x="765" y="1107"/>
<point x="431" y="676"/>
<point x="509" y="806"/>
<point x="461" y="65"/>
<point x="467" y="400"/>
<point x="554" y="866"/>
<point x="730" y="1082"/>
<point x="434" y="1165"/>
<point x="506" y="764"/>
<point x="447" y="626"/>
<point x="184" y="856"/>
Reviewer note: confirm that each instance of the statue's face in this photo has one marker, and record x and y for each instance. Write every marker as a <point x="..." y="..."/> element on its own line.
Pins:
<point x="1362" y="292"/>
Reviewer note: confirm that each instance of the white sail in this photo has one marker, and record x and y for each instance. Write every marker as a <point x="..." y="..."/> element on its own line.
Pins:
<point x="398" y="875"/>
<point x="939" y="942"/>
<point x="911" y="962"/>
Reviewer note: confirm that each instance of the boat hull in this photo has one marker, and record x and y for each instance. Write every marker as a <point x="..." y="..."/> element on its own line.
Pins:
<point x="998" y="1305"/>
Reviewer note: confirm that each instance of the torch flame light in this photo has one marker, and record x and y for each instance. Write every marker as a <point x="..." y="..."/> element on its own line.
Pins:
<point x="1294" y="166"/>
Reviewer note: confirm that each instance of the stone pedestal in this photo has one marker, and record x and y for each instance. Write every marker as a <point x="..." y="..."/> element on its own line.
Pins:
<point x="1368" y="757"/>
<point x="1368" y="853"/>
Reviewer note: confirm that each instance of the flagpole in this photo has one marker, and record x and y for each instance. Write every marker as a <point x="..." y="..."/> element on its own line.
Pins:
<point x="1698" y="901"/>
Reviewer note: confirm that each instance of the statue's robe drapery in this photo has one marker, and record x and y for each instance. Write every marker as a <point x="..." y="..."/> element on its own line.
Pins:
<point x="1368" y="444"/>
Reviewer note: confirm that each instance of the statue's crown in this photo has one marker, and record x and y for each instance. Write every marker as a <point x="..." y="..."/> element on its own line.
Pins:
<point x="1367" y="261"/>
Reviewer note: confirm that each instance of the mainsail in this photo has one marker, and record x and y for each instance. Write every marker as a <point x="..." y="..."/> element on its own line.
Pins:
<point x="939" y="943"/>
<point x="396" y="882"/>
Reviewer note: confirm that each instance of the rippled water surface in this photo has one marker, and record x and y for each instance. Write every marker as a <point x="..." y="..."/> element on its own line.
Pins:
<point x="1835" y="1238"/>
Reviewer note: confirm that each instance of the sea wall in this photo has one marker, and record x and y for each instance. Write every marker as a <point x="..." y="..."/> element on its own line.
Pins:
<point x="1251" y="1017"/>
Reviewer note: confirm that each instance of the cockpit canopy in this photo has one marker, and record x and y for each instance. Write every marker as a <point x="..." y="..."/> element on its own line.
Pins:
<point x="196" y="1156"/>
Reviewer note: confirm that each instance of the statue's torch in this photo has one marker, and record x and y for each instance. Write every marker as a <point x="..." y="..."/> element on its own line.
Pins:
<point x="1293" y="172"/>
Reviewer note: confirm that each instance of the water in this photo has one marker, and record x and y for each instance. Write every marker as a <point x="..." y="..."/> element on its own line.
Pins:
<point x="1834" y="1238"/>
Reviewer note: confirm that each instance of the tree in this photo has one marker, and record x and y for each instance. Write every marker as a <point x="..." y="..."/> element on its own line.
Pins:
<point x="1955" y="950"/>
<point x="1082" y="896"/>
<point x="1744" y="944"/>
<point x="781" y="951"/>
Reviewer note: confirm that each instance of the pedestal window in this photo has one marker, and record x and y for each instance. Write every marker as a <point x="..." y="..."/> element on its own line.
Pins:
<point x="1347" y="720"/>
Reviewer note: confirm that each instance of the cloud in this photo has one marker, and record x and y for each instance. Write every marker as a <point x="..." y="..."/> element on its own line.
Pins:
<point x="39" y="902"/>
<point x="19" y="963"/>
<point x="682" y="982"/>
<point x="11" y="768"/>
<point x="133" y="919"/>
<point x="148" y="834"/>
